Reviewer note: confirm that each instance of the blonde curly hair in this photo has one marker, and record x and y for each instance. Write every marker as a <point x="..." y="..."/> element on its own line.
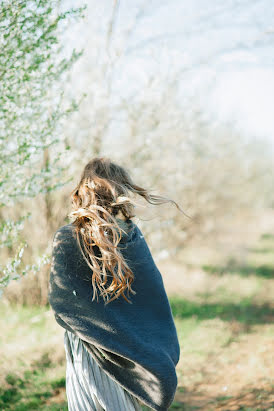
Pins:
<point x="102" y="194"/>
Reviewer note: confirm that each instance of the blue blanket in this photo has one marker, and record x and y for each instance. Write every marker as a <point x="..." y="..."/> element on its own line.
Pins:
<point x="136" y="344"/>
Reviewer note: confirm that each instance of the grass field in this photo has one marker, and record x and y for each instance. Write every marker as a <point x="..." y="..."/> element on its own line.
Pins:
<point x="224" y="318"/>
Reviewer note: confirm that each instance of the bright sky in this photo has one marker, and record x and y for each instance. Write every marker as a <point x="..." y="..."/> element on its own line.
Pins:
<point x="225" y="51"/>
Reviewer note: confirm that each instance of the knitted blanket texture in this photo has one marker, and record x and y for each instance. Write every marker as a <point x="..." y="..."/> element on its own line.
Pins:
<point x="136" y="344"/>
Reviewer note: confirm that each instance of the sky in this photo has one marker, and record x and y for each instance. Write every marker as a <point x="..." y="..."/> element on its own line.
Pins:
<point x="223" y="53"/>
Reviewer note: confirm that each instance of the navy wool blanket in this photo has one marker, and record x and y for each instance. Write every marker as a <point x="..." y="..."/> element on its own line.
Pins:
<point x="136" y="344"/>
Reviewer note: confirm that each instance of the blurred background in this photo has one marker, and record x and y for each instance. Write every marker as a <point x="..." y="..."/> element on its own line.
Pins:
<point x="181" y="94"/>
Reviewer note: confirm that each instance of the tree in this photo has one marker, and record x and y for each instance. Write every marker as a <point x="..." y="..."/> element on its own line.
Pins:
<point x="209" y="169"/>
<point x="33" y="69"/>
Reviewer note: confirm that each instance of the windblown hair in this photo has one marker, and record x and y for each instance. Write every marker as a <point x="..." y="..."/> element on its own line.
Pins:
<point x="103" y="192"/>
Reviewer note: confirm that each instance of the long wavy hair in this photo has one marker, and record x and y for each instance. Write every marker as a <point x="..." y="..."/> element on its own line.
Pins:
<point x="104" y="191"/>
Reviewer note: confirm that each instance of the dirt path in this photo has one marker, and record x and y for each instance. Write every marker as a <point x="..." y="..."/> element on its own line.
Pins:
<point x="236" y="378"/>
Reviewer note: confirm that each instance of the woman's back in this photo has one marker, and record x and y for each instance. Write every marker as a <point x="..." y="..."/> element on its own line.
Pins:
<point x="129" y="330"/>
<point x="136" y="343"/>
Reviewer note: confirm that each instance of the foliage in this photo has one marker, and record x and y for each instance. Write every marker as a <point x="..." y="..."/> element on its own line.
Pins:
<point x="33" y="67"/>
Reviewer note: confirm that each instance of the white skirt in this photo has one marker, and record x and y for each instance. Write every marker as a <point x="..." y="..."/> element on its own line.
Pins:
<point x="88" y="387"/>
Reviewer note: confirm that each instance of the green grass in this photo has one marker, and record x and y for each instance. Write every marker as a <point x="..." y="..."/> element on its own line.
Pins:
<point x="32" y="391"/>
<point x="27" y="345"/>
<point x="245" y="312"/>
<point x="259" y="261"/>
<point x="267" y="236"/>
<point x="264" y="271"/>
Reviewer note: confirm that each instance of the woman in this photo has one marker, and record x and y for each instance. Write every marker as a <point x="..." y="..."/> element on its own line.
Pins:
<point x="121" y="345"/>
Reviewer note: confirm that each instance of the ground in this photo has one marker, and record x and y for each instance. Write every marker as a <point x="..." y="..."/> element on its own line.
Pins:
<point x="224" y="317"/>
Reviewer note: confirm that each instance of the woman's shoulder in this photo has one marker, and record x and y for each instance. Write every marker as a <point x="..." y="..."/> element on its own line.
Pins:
<point x="131" y="232"/>
<point x="64" y="230"/>
<point x="64" y="235"/>
<point x="65" y="227"/>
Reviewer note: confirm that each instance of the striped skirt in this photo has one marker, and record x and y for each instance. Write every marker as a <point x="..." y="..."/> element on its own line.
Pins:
<point x="88" y="387"/>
